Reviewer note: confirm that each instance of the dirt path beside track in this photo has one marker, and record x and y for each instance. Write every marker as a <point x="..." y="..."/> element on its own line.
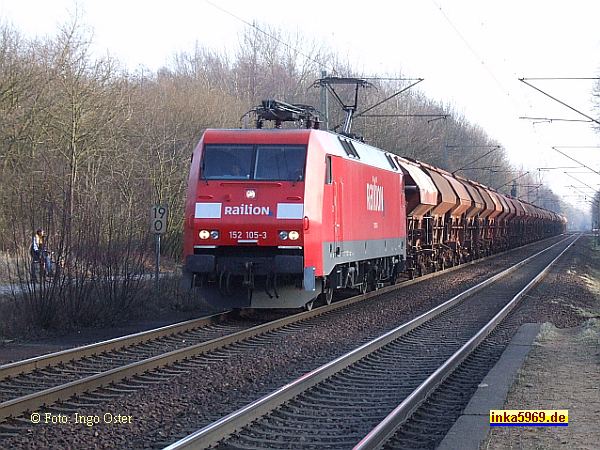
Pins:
<point x="563" y="369"/>
<point x="561" y="372"/>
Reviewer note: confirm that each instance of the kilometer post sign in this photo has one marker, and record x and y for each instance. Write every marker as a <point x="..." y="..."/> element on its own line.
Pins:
<point x="158" y="225"/>
<point x="158" y="219"/>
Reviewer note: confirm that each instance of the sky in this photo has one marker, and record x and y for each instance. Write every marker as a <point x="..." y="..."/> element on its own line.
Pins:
<point x="471" y="53"/>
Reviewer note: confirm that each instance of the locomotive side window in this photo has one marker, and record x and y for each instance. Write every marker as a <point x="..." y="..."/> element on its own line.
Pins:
<point x="227" y="162"/>
<point x="328" y="172"/>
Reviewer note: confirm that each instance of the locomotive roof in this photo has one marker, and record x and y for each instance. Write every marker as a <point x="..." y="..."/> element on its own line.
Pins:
<point x="333" y="142"/>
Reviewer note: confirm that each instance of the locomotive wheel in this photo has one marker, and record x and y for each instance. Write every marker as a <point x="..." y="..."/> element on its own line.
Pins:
<point x="186" y="283"/>
<point x="309" y="305"/>
<point x="372" y="282"/>
<point x="225" y="283"/>
<point x="327" y="295"/>
<point x="198" y="280"/>
<point x="364" y="286"/>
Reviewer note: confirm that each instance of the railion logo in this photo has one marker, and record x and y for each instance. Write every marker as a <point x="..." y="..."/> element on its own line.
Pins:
<point x="247" y="210"/>
<point x="374" y="196"/>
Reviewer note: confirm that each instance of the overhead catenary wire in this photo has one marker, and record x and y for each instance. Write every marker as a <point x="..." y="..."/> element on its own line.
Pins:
<point x="473" y="51"/>
<point x="514" y="179"/>
<point x="551" y="119"/>
<point x="407" y="115"/>
<point x="561" y="78"/>
<point x="260" y="30"/>
<point x="589" y="119"/>
<point x="495" y="78"/>
<point x="524" y="80"/>
<point x="573" y="159"/>
<point x="495" y="147"/>
<point x="513" y="100"/>
<point x="579" y="181"/>
<point x="558" y="167"/>
<point x="418" y="80"/>
<point x="318" y="63"/>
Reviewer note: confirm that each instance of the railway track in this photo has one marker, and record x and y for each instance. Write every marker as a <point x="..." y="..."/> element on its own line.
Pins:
<point x="360" y="399"/>
<point x="32" y="384"/>
<point x="43" y="380"/>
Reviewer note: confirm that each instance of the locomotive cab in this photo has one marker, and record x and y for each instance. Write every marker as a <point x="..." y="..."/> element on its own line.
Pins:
<point x="244" y="235"/>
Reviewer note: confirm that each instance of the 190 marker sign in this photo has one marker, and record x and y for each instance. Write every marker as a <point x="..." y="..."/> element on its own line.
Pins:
<point x="158" y="219"/>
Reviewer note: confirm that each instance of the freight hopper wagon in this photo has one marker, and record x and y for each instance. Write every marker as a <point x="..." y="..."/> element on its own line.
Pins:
<point x="451" y="220"/>
<point x="277" y="217"/>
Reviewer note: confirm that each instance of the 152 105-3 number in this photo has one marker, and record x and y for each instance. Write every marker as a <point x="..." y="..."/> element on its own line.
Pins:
<point x="248" y="234"/>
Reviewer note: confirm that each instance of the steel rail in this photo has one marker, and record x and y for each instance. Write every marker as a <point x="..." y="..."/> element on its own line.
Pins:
<point x="72" y="354"/>
<point x="388" y="426"/>
<point x="212" y="433"/>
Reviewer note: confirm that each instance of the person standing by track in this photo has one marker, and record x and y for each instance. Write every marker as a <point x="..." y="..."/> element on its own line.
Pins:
<point x="40" y="256"/>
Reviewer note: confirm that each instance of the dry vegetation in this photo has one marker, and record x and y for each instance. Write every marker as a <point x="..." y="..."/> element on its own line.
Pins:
<point x="86" y="148"/>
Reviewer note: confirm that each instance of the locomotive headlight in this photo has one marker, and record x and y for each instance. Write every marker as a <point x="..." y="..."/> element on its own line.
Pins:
<point x="293" y="235"/>
<point x="214" y="234"/>
<point x="283" y="235"/>
<point x="204" y="234"/>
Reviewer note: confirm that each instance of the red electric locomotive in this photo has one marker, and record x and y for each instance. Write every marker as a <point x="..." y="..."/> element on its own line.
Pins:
<point x="277" y="217"/>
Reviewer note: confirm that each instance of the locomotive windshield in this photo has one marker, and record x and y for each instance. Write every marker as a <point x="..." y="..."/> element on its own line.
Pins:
<point x="253" y="162"/>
